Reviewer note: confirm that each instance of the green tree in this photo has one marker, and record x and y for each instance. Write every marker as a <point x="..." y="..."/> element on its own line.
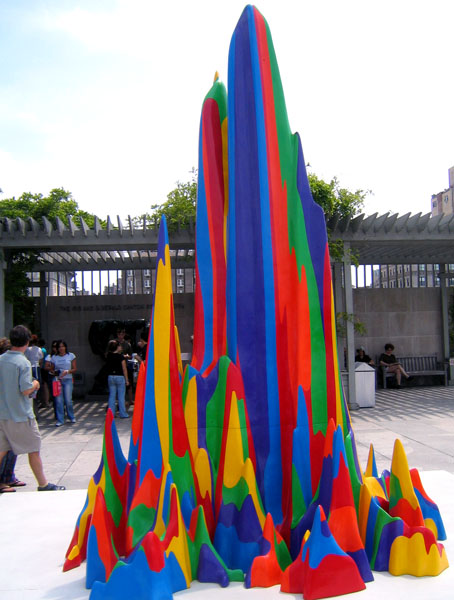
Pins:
<point x="336" y="200"/>
<point x="59" y="203"/>
<point x="179" y="208"/>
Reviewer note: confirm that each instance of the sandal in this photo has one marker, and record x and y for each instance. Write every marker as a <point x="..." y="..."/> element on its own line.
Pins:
<point x="17" y="483"/>
<point x="6" y="488"/>
<point x="50" y="487"/>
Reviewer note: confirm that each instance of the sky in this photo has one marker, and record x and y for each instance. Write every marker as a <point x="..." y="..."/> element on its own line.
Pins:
<point x="103" y="97"/>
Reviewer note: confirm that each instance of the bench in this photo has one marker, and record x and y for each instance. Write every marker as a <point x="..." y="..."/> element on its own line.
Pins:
<point x="418" y="366"/>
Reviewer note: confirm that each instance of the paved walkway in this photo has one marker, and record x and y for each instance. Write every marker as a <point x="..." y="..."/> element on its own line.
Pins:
<point x="71" y="453"/>
<point x="423" y="418"/>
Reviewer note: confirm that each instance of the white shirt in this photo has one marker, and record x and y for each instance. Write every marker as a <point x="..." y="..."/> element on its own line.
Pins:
<point x="34" y="355"/>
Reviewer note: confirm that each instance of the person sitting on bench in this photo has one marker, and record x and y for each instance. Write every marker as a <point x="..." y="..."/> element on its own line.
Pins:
<point x="361" y="356"/>
<point x="388" y="360"/>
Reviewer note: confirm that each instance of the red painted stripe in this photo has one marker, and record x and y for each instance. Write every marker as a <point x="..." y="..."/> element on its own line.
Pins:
<point x="214" y="191"/>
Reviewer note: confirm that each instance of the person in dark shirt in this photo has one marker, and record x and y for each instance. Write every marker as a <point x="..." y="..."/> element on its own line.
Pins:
<point x="389" y="361"/>
<point x="117" y="378"/>
<point x="361" y="356"/>
<point x="126" y="349"/>
<point x="142" y="348"/>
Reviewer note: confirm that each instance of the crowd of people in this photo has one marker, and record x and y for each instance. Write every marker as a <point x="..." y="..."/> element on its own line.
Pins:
<point x="33" y="378"/>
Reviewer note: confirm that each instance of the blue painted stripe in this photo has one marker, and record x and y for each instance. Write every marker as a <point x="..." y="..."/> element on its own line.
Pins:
<point x="249" y="301"/>
<point x="273" y="469"/>
<point x="231" y="236"/>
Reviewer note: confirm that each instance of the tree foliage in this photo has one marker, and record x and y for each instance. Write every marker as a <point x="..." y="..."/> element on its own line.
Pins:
<point x="179" y="208"/>
<point x="59" y="203"/>
<point x="334" y="199"/>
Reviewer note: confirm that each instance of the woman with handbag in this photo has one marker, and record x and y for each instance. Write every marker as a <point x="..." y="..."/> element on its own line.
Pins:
<point x="63" y="365"/>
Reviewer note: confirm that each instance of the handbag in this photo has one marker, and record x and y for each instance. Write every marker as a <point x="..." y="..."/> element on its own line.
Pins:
<point x="56" y="387"/>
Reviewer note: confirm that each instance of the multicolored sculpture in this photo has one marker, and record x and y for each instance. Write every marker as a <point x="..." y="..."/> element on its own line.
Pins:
<point x="245" y="466"/>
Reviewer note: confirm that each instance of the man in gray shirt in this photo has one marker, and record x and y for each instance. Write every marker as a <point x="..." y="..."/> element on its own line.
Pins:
<point x="19" y="430"/>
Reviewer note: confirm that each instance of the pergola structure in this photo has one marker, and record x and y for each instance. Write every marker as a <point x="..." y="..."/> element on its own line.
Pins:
<point x="374" y="240"/>
<point x="78" y="247"/>
<point x="391" y="239"/>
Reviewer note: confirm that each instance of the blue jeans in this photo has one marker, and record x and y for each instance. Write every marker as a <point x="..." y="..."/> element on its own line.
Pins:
<point x="117" y="389"/>
<point x="65" y="401"/>
<point x="7" y="468"/>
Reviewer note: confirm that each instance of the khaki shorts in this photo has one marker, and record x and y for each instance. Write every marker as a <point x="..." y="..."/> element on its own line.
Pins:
<point x="21" y="438"/>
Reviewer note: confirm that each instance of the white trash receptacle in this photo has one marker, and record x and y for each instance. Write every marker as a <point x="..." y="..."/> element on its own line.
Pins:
<point x="365" y="385"/>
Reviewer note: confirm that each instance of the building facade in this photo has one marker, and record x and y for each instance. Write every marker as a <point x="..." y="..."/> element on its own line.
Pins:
<point x="443" y="202"/>
<point x="108" y="283"/>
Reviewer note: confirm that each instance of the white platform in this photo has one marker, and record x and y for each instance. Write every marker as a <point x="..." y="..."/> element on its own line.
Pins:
<point x="36" y="528"/>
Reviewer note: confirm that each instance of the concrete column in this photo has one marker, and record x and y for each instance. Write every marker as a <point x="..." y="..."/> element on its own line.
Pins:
<point x="43" y="320"/>
<point x="338" y="288"/>
<point x="2" y="295"/>
<point x="445" y="320"/>
<point x="339" y="307"/>
<point x="352" y="404"/>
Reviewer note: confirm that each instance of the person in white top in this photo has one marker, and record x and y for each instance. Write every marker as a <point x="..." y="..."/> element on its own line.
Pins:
<point x="63" y="365"/>
<point x="35" y="356"/>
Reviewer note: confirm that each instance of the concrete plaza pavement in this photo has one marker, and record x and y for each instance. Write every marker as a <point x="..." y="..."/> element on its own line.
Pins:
<point x="421" y="417"/>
